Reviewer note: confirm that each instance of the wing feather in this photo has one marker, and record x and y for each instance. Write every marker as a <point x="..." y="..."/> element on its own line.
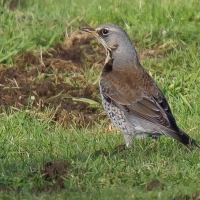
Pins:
<point x="141" y="98"/>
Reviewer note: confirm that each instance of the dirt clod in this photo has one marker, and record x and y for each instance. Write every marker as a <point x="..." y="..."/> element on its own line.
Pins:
<point x="154" y="184"/>
<point x="4" y="188"/>
<point x="56" y="172"/>
<point x="182" y="198"/>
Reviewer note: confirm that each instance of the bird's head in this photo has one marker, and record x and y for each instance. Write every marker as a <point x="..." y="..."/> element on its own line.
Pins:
<point x="115" y="40"/>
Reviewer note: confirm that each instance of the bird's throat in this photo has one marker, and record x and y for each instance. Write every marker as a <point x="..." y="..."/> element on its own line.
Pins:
<point x="108" y="65"/>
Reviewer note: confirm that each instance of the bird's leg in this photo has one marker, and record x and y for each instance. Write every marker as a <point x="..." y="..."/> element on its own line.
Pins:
<point x="155" y="138"/>
<point x="123" y="147"/>
<point x="128" y="140"/>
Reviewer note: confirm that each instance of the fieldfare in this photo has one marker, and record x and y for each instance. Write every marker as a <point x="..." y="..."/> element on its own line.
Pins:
<point x="130" y="96"/>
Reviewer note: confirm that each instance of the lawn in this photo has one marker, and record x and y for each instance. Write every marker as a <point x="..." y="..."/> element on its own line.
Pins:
<point x="56" y="141"/>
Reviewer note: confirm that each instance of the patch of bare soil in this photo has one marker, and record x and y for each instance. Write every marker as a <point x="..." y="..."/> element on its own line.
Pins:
<point x="55" y="173"/>
<point x="154" y="184"/>
<point x="53" y="79"/>
<point x="182" y="198"/>
<point x="195" y="196"/>
<point x="158" y="50"/>
<point x="4" y="188"/>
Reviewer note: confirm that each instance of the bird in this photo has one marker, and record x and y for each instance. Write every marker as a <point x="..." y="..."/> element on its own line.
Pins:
<point x="131" y="98"/>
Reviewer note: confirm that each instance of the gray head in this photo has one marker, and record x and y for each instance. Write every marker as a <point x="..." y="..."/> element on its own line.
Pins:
<point x="116" y="42"/>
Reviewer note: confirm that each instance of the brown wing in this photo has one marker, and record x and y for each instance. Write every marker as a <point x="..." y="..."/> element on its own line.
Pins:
<point x="137" y="93"/>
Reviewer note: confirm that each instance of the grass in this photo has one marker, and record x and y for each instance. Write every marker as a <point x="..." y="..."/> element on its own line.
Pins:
<point x="31" y="140"/>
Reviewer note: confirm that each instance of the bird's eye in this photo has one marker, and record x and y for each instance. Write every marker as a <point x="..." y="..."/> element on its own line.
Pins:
<point x="104" y="31"/>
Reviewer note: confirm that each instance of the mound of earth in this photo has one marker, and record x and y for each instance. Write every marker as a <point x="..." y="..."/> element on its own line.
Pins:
<point x="55" y="79"/>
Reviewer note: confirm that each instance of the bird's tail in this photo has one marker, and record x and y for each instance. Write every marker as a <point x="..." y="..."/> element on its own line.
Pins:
<point x="187" y="140"/>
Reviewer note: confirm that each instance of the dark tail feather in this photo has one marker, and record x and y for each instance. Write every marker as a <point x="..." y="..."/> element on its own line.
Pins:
<point x="186" y="139"/>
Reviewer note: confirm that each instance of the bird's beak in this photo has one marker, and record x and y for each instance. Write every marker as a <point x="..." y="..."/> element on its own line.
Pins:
<point x="94" y="32"/>
<point x="90" y="30"/>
